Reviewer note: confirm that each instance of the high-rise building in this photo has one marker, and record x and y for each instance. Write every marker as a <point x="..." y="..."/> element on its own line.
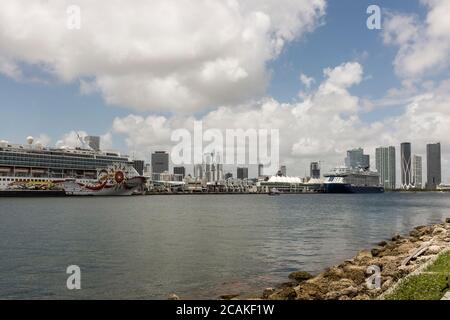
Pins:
<point x="139" y="166"/>
<point x="283" y="171"/>
<point x="198" y="171"/>
<point x="417" y="172"/>
<point x="433" y="166"/>
<point x="385" y="164"/>
<point x="93" y="142"/>
<point x="212" y="167"/>
<point x="314" y="170"/>
<point x="242" y="173"/>
<point x="160" y="162"/>
<point x="405" y="164"/>
<point x="181" y="171"/>
<point x="356" y="159"/>
<point x="260" y="170"/>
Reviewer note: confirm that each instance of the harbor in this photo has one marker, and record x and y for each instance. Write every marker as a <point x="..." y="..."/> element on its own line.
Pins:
<point x="196" y="247"/>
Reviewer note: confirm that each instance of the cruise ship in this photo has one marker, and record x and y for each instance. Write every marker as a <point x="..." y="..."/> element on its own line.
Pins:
<point x="346" y="180"/>
<point x="33" y="169"/>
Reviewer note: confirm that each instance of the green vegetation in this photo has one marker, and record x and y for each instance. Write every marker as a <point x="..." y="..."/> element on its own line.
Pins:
<point x="429" y="285"/>
<point x="441" y="265"/>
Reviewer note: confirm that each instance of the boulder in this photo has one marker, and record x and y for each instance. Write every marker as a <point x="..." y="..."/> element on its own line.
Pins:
<point x="376" y="251"/>
<point x="405" y="248"/>
<point x="228" y="296"/>
<point x="387" y="284"/>
<point x="363" y="257"/>
<point x="300" y="276"/>
<point x="285" y="294"/>
<point x="350" y="291"/>
<point x="362" y="297"/>
<point x="382" y="244"/>
<point x="433" y="250"/>
<point x="267" y="292"/>
<point x="355" y="273"/>
<point x="447" y="220"/>
<point x="310" y="291"/>
<point x="334" y="273"/>
<point x="173" y="296"/>
<point x="341" y="285"/>
<point x="439" y="230"/>
<point x="396" y="237"/>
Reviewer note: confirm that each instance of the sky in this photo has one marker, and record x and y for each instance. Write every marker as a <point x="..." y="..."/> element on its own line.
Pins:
<point x="310" y="68"/>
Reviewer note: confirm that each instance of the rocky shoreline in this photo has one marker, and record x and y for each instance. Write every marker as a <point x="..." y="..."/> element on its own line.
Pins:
<point x="395" y="259"/>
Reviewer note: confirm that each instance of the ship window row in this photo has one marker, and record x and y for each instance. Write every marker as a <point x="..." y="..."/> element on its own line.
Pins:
<point x="61" y="157"/>
<point x="54" y="163"/>
<point x="21" y="180"/>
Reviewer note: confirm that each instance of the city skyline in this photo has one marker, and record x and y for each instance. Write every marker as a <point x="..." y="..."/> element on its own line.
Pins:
<point x="375" y="88"/>
<point x="385" y="164"/>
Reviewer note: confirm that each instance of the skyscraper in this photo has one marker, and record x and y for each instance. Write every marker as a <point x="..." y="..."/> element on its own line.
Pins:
<point x="198" y="171"/>
<point x="405" y="163"/>
<point x="283" y="171"/>
<point x="433" y="165"/>
<point x="314" y="170"/>
<point x="160" y="162"/>
<point x="242" y="173"/>
<point x="260" y="170"/>
<point x="93" y="142"/>
<point x="181" y="171"/>
<point x="356" y="159"/>
<point x="139" y="166"/>
<point x="417" y="172"/>
<point x="385" y="164"/>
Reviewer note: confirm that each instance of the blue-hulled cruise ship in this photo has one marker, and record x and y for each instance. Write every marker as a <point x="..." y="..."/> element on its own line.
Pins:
<point x="346" y="180"/>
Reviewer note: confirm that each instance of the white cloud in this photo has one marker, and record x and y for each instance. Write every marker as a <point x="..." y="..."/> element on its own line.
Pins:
<point x="320" y="127"/>
<point x="160" y="55"/>
<point x="424" y="46"/>
<point x="71" y="139"/>
<point x="307" y="81"/>
<point x="43" y="139"/>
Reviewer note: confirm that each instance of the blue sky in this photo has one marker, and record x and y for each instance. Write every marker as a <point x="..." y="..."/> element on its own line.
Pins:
<point x="56" y="108"/>
<point x="136" y="60"/>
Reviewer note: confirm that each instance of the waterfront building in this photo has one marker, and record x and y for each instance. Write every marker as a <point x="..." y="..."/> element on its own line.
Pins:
<point x="417" y="172"/>
<point x="405" y="164"/>
<point x="385" y="165"/>
<point x="433" y="166"/>
<point x="139" y="166"/>
<point x="181" y="171"/>
<point x="356" y="159"/>
<point x="242" y="173"/>
<point x="160" y="162"/>
<point x="314" y="170"/>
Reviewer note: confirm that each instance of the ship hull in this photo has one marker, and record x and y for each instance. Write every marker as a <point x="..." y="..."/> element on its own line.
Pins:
<point x="127" y="188"/>
<point x="32" y="193"/>
<point x="347" y="188"/>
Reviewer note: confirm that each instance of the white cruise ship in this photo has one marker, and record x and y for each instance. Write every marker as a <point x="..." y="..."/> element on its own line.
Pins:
<point x="32" y="169"/>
